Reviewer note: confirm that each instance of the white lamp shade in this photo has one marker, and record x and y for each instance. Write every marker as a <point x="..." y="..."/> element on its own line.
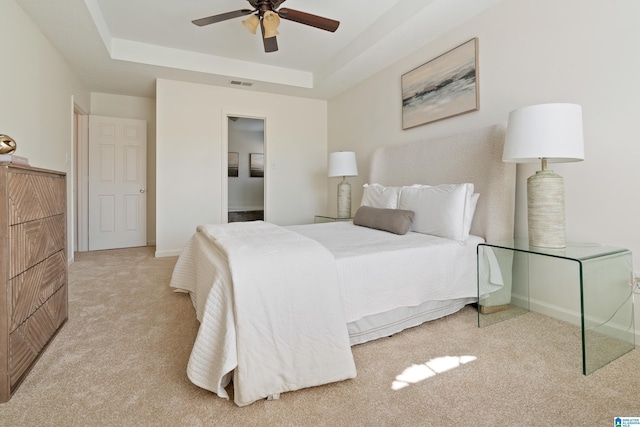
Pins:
<point x="343" y="163"/>
<point x="550" y="131"/>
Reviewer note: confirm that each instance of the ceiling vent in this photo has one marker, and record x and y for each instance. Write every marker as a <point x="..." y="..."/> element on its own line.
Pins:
<point x="239" y="83"/>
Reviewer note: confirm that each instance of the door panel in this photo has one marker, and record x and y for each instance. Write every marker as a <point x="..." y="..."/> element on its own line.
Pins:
<point x="117" y="183"/>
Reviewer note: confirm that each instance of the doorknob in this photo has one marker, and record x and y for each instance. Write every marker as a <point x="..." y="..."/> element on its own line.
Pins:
<point x="142" y="190"/>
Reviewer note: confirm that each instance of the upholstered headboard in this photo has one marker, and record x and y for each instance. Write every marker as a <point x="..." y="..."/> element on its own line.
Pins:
<point x="474" y="157"/>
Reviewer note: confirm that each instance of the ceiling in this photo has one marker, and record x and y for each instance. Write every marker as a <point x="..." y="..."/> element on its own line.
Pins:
<point x="123" y="46"/>
<point x="246" y="124"/>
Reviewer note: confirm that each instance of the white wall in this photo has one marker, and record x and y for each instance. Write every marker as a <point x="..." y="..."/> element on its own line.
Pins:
<point x="530" y="52"/>
<point x="38" y="89"/>
<point x="191" y="157"/>
<point x="132" y="107"/>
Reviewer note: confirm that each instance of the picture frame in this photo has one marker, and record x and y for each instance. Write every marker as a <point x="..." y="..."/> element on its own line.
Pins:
<point x="233" y="163"/>
<point x="444" y="87"/>
<point x="256" y="165"/>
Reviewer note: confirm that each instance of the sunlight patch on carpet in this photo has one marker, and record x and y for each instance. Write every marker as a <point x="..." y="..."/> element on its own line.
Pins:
<point x="417" y="373"/>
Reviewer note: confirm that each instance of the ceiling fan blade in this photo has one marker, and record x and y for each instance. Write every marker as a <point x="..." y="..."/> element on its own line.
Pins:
<point x="222" y="17"/>
<point x="270" y="44"/>
<point x="309" y="19"/>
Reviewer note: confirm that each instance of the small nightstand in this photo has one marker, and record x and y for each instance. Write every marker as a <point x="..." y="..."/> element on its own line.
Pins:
<point x="322" y="218"/>
<point x="601" y="274"/>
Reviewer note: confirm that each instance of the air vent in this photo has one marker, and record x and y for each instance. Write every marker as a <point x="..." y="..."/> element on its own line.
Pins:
<point x="239" y="83"/>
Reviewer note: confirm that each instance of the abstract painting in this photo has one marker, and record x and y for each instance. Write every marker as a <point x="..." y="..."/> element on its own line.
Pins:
<point x="256" y="165"/>
<point x="443" y="87"/>
<point x="232" y="163"/>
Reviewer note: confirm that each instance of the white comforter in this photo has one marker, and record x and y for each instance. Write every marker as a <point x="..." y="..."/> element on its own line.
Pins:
<point x="379" y="271"/>
<point x="278" y="325"/>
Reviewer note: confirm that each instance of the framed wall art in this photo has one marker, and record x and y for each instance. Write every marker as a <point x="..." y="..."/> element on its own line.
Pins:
<point x="233" y="161"/>
<point x="256" y="165"/>
<point x="444" y="87"/>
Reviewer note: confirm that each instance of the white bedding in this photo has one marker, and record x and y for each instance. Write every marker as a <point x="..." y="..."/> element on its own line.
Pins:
<point x="377" y="272"/>
<point x="278" y="325"/>
<point x="380" y="271"/>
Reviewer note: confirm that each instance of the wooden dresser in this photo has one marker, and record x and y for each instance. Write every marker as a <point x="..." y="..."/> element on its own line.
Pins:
<point x="33" y="267"/>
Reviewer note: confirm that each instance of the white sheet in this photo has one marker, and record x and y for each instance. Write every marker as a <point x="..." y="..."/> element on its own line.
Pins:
<point x="278" y="324"/>
<point x="380" y="271"/>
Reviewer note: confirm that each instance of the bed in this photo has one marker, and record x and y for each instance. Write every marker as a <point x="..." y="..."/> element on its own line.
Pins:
<point x="280" y="307"/>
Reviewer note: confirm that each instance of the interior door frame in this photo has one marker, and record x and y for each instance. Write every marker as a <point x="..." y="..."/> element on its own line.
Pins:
<point x="224" y="215"/>
<point x="81" y="204"/>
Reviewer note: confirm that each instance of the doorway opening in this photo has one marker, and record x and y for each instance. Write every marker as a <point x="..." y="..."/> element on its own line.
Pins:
<point x="246" y="169"/>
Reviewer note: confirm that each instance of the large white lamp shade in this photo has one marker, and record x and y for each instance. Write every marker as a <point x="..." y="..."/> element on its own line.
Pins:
<point x="546" y="133"/>
<point x="343" y="163"/>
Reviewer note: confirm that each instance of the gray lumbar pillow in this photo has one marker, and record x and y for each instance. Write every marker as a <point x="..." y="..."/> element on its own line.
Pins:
<point x="396" y="221"/>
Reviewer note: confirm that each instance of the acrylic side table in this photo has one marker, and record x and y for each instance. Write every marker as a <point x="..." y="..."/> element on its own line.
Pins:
<point x="603" y="277"/>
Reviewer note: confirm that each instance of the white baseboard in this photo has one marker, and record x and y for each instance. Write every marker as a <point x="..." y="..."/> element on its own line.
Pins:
<point x="566" y="315"/>
<point x="162" y="254"/>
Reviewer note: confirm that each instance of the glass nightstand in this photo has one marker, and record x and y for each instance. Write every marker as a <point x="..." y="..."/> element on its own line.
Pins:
<point x="584" y="281"/>
<point x="322" y="218"/>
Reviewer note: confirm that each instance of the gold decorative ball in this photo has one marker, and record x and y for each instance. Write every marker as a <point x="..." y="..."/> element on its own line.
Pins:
<point x="7" y="144"/>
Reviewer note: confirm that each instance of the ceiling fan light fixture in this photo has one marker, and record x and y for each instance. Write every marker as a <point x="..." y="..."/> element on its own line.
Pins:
<point x="271" y="22"/>
<point x="267" y="15"/>
<point x="251" y="23"/>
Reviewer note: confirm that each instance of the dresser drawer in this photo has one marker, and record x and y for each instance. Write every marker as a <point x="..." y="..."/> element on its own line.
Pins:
<point x="34" y="241"/>
<point x="28" y="340"/>
<point x="33" y="288"/>
<point x="35" y="195"/>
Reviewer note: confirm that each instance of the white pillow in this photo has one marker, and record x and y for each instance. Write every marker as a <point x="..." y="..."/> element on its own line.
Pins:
<point x="379" y="196"/>
<point x="470" y="210"/>
<point x="440" y="210"/>
<point x="470" y="207"/>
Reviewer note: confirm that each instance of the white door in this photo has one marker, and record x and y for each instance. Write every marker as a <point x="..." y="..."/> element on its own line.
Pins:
<point x="117" y="183"/>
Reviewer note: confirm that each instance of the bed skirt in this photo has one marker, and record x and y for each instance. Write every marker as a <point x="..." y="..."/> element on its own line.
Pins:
<point x="382" y="325"/>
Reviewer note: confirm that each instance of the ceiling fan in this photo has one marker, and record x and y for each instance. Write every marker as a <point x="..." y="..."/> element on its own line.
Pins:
<point x="266" y="14"/>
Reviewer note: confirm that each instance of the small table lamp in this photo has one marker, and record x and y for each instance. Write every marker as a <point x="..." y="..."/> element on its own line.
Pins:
<point x="547" y="133"/>
<point x="343" y="163"/>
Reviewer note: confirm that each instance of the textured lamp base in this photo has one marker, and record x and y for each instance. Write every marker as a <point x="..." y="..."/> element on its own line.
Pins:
<point x="545" y="201"/>
<point x="344" y="199"/>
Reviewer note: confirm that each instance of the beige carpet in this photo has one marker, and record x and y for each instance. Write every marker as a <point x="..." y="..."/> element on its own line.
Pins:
<point x="121" y="359"/>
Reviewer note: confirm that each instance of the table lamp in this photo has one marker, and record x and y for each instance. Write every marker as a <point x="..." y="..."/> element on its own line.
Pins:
<point x="343" y="163"/>
<point x="546" y="133"/>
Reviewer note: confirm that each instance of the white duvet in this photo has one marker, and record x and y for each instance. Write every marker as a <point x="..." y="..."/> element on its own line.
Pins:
<point x="380" y="271"/>
<point x="273" y="321"/>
